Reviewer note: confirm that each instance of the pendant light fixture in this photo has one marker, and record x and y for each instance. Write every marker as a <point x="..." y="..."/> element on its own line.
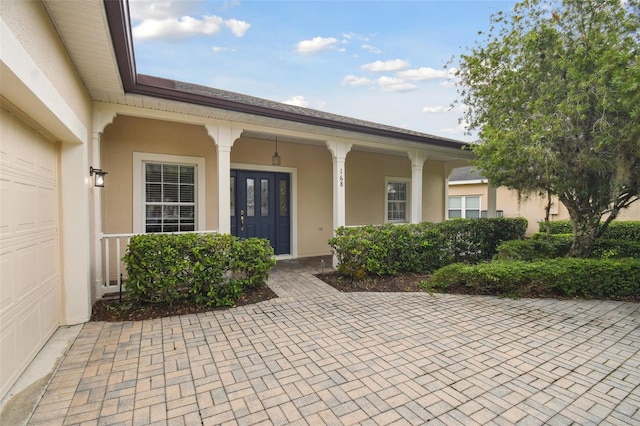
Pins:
<point x="275" y="159"/>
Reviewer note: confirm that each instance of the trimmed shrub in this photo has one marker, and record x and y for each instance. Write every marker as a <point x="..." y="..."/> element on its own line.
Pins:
<point x="535" y="248"/>
<point x="616" y="230"/>
<point x="388" y="249"/>
<point x="539" y="246"/>
<point x="210" y="269"/>
<point x="476" y="240"/>
<point x="556" y="227"/>
<point x="617" y="279"/>
<point x="391" y="249"/>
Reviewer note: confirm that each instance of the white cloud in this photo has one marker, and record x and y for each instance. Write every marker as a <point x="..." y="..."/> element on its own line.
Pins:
<point x="238" y="28"/>
<point x="424" y="73"/>
<point x="218" y="49"/>
<point x="143" y="9"/>
<point x="352" y="35"/>
<point x="371" y="49"/>
<point x="317" y="44"/>
<point x="393" y="84"/>
<point x="386" y="66"/>
<point x="437" y="109"/>
<point x="355" y="81"/>
<point x="186" y="26"/>
<point x="297" y="101"/>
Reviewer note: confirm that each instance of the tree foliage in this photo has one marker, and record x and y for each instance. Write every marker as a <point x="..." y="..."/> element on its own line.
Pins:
<point x="554" y="92"/>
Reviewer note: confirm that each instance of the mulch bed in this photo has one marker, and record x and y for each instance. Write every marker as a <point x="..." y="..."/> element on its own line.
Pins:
<point x="111" y="310"/>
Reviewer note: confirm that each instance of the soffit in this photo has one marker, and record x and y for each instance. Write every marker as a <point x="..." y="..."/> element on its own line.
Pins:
<point x="83" y="28"/>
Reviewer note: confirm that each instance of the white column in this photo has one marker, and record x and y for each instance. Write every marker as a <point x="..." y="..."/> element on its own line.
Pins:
<point x="101" y="119"/>
<point x="224" y="137"/>
<point x="339" y="151"/>
<point x="417" y="164"/>
<point x="75" y="226"/>
<point x="491" y="200"/>
<point x="448" y="168"/>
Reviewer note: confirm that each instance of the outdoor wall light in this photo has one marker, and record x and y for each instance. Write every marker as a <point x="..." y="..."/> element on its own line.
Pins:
<point x="99" y="176"/>
<point x="275" y="159"/>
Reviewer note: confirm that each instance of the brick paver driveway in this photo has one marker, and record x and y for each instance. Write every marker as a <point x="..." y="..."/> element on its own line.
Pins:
<point x="317" y="356"/>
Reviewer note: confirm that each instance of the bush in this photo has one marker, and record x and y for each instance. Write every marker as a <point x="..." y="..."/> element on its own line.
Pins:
<point x="542" y="247"/>
<point x="208" y="269"/>
<point x="627" y="230"/>
<point x="392" y="249"/>
<point x="536" y="248"/>
<point x="476" y="240"/>
<point x="388" y="249"/>
<point x="617" y="279"/>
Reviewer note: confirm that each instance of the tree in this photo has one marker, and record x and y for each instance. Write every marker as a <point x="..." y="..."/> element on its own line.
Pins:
<point x="554" y="92"/>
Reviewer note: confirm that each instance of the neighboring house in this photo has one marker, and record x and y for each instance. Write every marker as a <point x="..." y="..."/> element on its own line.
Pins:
<point x="469" y="193"/>
<point x="179" y="157"/>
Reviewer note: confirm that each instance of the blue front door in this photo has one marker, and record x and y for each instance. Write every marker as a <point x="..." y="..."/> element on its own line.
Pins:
<point x="260" y="207"/>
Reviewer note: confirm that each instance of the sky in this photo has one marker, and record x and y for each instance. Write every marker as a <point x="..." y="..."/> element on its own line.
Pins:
<point x="389" y="62"/>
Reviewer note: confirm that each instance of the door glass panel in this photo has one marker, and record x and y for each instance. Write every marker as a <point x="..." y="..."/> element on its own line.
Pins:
<point x="283" y="198"/>
<point x="233" y="195"/>
<point x="264" y="197"/>
<point x="251" y="198"/>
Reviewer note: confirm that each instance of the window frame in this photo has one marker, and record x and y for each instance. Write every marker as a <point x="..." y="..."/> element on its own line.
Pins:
<point x="139" y="210"/>
<point x="463" y="206"/>
<point x="390" y="180"/>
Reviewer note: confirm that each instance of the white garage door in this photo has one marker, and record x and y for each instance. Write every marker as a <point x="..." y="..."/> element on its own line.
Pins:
<point x="29" y="259"/>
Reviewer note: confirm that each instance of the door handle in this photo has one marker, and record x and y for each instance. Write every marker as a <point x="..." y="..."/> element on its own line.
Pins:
<point x="242" y="220"/>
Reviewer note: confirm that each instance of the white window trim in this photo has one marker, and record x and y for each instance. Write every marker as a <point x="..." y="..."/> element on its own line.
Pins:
<point x="139" y="158"/>
<point x="463" y="206"/>
<point x="391" y="179"/>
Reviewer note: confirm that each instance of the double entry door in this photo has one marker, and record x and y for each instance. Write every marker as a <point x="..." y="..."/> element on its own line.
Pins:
<point x="261" y="207"/>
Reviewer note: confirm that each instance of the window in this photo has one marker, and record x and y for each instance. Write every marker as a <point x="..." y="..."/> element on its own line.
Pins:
<point x="168" y="193"/>
<point x="169" y="197"/>
<point x="397" y="200"/>
<point x="466" y="206"/>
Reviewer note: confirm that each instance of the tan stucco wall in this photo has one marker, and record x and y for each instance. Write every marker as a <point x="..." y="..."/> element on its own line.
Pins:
<point x="433" y="188"/>
<point x="127" y="135"/>
<point x="365" y="175"/>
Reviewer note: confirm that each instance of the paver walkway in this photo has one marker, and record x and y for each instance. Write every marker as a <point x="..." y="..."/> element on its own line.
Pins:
<point x="317" y="356"/>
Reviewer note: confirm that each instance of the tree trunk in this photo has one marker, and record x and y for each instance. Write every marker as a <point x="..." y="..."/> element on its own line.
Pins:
<point x="585" y="230"/>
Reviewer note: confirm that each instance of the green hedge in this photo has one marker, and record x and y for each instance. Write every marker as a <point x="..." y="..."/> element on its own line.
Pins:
<point x="392" y="249"/>
<point x="616" y="230"/>
<point x="617" y="279"/>
<point x="208" y="269"/>
<point x="388" y="249"/>
<point x="539" y="246"/>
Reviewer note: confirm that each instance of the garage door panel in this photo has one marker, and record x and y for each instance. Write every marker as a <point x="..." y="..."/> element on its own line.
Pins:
<point x="47" y="268"/>
<point x="47" y="217"/>
<point x="25" y="205"/>
<point x="27" y="275"/>
<point x="9" y="360"/>
<point x="49" y="308"/>
<point x="6" y="209"/>
<point x="7" y="290"/>
<point x="29" y="327"/>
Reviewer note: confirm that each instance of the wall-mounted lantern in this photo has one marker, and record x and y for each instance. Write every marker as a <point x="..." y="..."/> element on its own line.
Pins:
<point x="99" y="177"/>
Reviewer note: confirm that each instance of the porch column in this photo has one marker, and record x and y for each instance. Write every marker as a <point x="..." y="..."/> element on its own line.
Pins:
<point x="101" y="119"/>
<point x="339" y="151"/>
<point x="224" y="137"/>
<point x="491" y="200"/>
<point x="417" y="164"/>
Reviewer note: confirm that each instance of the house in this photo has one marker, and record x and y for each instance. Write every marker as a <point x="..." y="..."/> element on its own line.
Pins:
<point x="178" y="157"/>
<point x="469" y="192"/>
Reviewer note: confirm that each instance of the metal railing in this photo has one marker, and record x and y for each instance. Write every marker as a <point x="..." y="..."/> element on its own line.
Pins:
<point x="113" y="247"/>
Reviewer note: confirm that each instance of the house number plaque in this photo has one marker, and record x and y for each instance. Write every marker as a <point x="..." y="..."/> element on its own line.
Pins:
<point x="341" y="179"/>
